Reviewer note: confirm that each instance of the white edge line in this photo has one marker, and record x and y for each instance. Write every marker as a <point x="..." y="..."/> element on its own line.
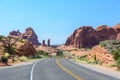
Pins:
<point x="31" y="73"/>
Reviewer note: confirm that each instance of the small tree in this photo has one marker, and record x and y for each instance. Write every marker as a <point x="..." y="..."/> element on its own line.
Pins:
<point x="8" y="43"/>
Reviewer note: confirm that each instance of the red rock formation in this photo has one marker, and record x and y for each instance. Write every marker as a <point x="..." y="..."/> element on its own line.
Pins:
<point x="101" y="54"/>
<point x="25" y="49"/>
<point x="43" y="43"/>
<point x="15" y="34"/>
<point x="86" y="36"/>
<point x="48" y="42"/>
<point x="31" y="36"/>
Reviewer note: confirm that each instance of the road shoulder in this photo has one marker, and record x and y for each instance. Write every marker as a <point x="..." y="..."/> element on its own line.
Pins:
<point x="99" y="69"/>
<point x="19" y="64"/>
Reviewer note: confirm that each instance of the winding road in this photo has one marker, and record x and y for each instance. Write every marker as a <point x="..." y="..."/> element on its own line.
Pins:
<point x="52" y="69"/>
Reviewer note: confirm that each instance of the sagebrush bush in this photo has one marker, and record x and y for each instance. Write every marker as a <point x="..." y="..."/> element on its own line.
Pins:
<point x="118" y="64"/>
<point x="6" y="54"/>
<point x="22" y="58"/>
<point x="4" y="59"/>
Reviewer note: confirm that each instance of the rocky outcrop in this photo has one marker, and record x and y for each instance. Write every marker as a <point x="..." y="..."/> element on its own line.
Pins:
<point x="48" y="42"/>
<point x="86" y="36"/>
<point x="15" y="34"/>
<point x="25" y="49"/>
<point x="102" y="55"/>
<point x="31" y="36"/>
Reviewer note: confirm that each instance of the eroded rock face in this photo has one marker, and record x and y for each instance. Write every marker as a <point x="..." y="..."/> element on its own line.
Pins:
<point x="86" y="36"/>
<point x="15" y="34"/>
<point x="31" y="36"/>
<point x="101" y="54"/>
<point x="25" y="49"/>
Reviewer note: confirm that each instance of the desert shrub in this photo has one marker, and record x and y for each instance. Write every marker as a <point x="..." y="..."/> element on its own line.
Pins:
<point x="4" y="59"/>
<point x="21" y="40"/>
<point x="113" y="65"/>
<point x="6" y="54"/>
<point x="40" y="52"/>
<point x="34" y="57"/>
<point x="82" y="57"/>
<point x="46" y="53"/>
<point x="102" y="44"/>
<point x="118" y="64"/>
<point x="116" y="54"/>
<point x="60" y="53"/>
<point x="73" y="54"/>
<point x="22" y="58"/>
<point x="99" y="62"/>
<point x="69" y="50"/>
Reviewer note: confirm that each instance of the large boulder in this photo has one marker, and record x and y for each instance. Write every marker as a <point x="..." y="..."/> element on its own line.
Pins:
<point x="86" y="36"/>
<point x="25" y="49"/>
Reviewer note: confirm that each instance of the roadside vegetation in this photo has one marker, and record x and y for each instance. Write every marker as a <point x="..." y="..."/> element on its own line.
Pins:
<point x="42" y="54"/>
<point x="113" y="46"/>
<point x="8" y="48"/>
<point x="8" y="51"/>
<point x="59" y="53"/>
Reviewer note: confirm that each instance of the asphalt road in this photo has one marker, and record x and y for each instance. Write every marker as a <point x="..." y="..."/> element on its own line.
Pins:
<point x="52" y="69"/>
<point x="15" y="73"/>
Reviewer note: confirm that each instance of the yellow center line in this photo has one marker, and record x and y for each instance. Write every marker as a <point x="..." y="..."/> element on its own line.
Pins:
<point x="68" y="71"/>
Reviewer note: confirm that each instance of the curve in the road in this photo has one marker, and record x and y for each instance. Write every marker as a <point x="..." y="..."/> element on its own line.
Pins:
<point x="31" y="73"/>
<point x="68" y="71"/>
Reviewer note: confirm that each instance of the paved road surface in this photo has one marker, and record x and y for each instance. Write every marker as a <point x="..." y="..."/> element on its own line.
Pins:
<point x="48" y="69"/>
<point x="15" y="73"/>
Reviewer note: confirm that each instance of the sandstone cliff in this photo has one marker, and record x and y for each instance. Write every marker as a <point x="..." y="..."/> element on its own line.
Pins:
<point x="86" y="36"/>
<point x="29" y="34"/>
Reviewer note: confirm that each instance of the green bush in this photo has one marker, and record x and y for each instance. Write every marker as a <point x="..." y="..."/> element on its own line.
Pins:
<point x="116" y="54"/>
<point x="4" y="59"/>
<point x="118" y="64"/>
<point x="21" y="40"/>
<point x="113" y="65"/>
<point x="6" y="55"/>
<point x="82" y="57"/>
<point x="40" y="52"/>
<point x="22" y="58"/>
<point x="60" y="53"/>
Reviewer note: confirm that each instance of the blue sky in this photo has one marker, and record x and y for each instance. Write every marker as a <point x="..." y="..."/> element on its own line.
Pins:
<point x="56" y="19"/>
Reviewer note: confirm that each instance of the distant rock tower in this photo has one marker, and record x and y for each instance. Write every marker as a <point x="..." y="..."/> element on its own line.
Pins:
<point x="31" y="36"/>
<point x="43" y="43"/>
<point x="48" y="42"/>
